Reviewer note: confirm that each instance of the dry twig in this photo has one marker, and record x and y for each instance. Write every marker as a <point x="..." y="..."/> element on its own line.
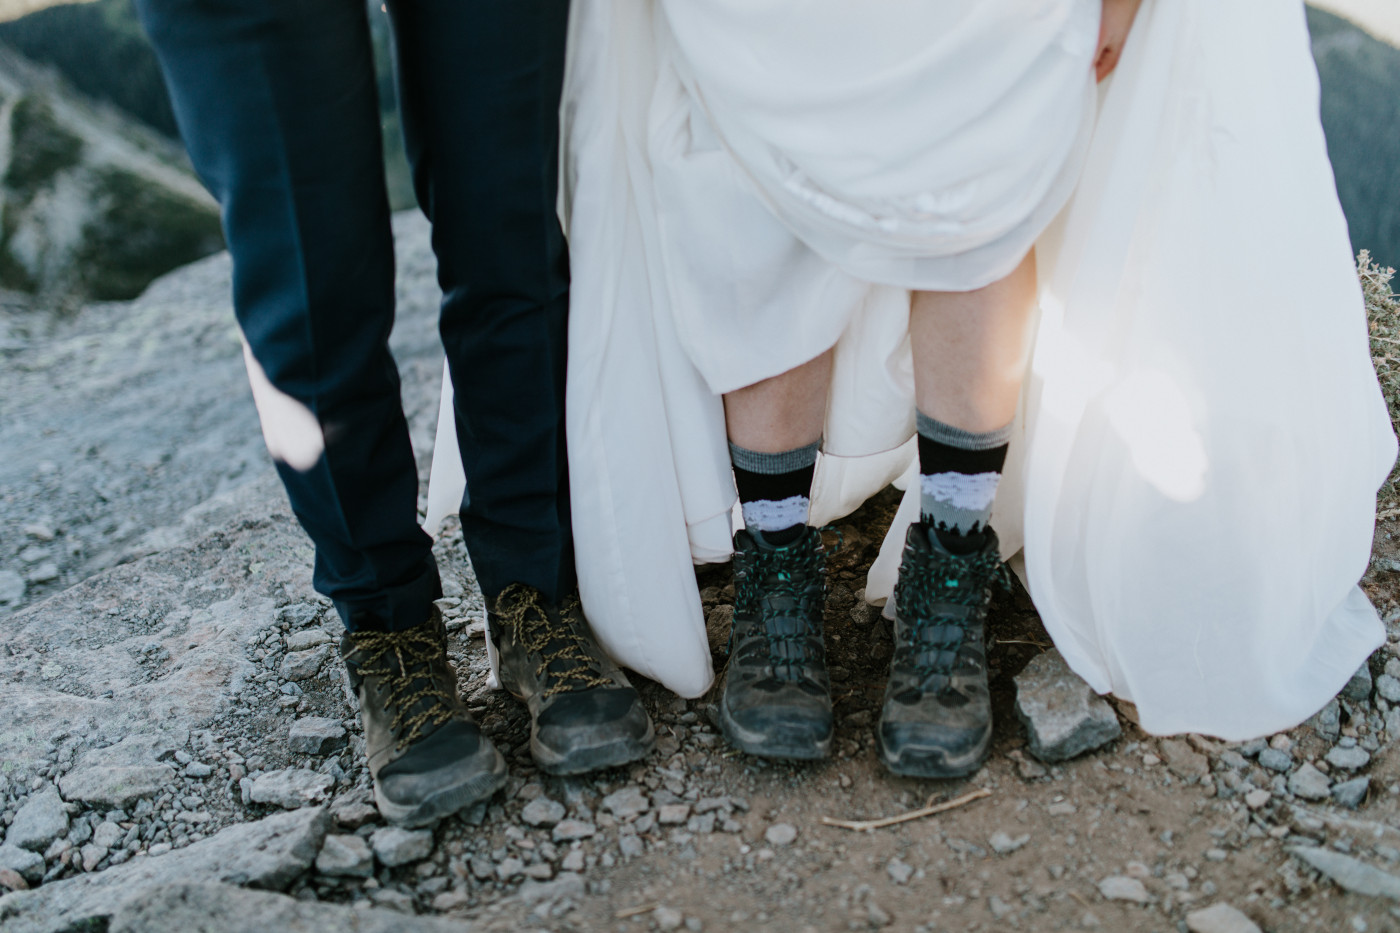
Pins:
<point x="635" y="911"/>
<point x="953" y="804"/>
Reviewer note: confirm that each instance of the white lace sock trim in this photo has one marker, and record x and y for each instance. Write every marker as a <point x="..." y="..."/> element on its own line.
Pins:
<point x="966" y="492"/>
<point x="770" y="515"/>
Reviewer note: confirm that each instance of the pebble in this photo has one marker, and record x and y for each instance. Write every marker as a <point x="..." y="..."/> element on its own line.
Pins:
<point x="42" y="819"/>
<point x="1351" y="794"/>
<point x="290" y="788"/>
<point x="1309" y="783"/>
<point x="13" y="880"/>
<point x="307" y="639"/>
<point x="198" y="770"/>
<point x="1183" y="760"/>
<point x="1257" y="798"/>
<point x="28" y="865"/>
<point x="667" y="918"/>
<point x="626" y="803"/>
<point x="345" y="855"/>
<point x="673" y="814"/>
<point x="46" y="572"/>
<point x="395" y="846"/>
<point x="316" y="735"/>
<point x="1388" y="687"/>
<point x="1348" y="759"/>
<point x="303" y="665"/>
<point x="1352" y="874"/>
<point x="12" y="587"/>
<point x="509" y="868"/>
<point x="107" y="834"/>
<point x="542" y="812"/>
<point x="1360" y="686"/>
<point x="569" y="830"/>
<point x="631" y="846"/>
<point x="1062" y="714"/>
<point x="573" y="861"/>
<point x="1276" y="759"/>
<point x="1122" y="888"/>
<point x="1000" y="909"/>
<point x="92" y="855"/>
<point x="1220" y="918"/>
<point x="1003" y="843"/>
<point x="780" y="834"/>
<point x="899" y="871"/>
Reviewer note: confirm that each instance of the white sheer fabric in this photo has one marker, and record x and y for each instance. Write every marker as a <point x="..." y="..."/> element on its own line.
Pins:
<point x="1201" y="435"/>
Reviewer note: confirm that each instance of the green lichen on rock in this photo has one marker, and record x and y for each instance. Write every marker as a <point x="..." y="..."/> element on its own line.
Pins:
<point x="40" y="147"/>
<point x="1383" y="317"/>
<point x="141" y="230"/>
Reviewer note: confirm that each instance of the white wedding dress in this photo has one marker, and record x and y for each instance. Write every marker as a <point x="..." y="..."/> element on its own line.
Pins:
<point x="1192" y="485"/>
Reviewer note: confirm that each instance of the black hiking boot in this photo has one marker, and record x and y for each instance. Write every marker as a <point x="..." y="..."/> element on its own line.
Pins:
<point x="584" y="715"/>
<point x="937" y="717"/>
<point x="427" y="756"/>
<point x="776" y="700"/>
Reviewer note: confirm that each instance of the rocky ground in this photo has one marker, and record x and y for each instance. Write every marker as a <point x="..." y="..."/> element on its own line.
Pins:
<point x="177" y="750"/>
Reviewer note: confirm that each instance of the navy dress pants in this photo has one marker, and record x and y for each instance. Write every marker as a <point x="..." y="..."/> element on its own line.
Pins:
<point x="276" y="101"/>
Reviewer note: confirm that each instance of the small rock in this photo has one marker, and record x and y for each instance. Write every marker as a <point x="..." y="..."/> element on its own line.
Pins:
<point x="542" y="812"/>
<point x="673" y="814"/>
<point x="667" y="918"/>
<point x="353" y="810"/>
<point x="1183" y="760"/>
<point x="1348" y="759"/>
<point x="631" y="846"/>
<point x="780" y="834"/>
<point x="46" y="572"/>
<point x="1388" y="687"/>
<point x="1220" y="918"/>
<point x="1351" y="793"/>
<point x="1004" y="843"/>
<point x="303" y="665"/>
<point x="1123" y="888"/>
<point x="345" y="855"/>
<point x="1359" y="687"/>
<point x="1309" y="783"/>
<point x="1327" y="721"/>
<point x="1352" y="874"/>
<point x="451" y="900"/>
<point x="509" y="868"/>
<point x="13" y="880"/>
<point x="92" y="855"/>
<point x="1000" y="909"/>
<point x="626" y="803"/>
<point x="12" y="587"/>
<point x="1276" y="760"/>
<point x="1062" y="714"/>
<point x="308" y="639"/>
<point x="42" y="819"/>
<point x="316" y="735"/>
<point x="198" y="770"/>
<point x="26" y="864"/>
<point x="290" y="788"/>
<point x="899" y="872"/>
<point x="395" y="846"/>
<point x="569" y="830"/>
<point x="107" y="834"/>
<point x="573" y="861"/>
<point x="567" y="886"/>
<point x="1257" y="798"/>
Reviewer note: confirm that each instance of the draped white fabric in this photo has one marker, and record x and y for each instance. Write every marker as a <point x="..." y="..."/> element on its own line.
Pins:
<point x="1201" y="435"/>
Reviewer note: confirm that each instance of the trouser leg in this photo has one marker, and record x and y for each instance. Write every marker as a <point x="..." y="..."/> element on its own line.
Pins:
<point x="277" y="104"/>
<point x="479" y="85"/>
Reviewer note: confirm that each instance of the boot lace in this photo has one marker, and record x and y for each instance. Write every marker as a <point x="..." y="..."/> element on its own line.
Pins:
<point x="403" y="662"/>
<point x="565" y="664"/>
<point x="786" y="574"/>
<point x="936" y="636"/>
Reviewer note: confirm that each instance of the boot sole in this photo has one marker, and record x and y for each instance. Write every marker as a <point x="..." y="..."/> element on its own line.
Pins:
<point x="933" y="762"/>
<point x="447" y="801"/>
<point x="612" y="754"/>
<point x="763" y="746"/>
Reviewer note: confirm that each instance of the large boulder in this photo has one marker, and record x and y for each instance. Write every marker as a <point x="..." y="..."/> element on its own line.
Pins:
<point x="92" y="204"/>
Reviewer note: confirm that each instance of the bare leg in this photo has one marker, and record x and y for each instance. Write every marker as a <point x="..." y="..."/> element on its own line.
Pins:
<point x="970" y="350"/>
<point x="781" y="413"/>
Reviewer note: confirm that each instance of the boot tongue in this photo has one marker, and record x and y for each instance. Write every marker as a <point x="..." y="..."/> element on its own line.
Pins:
<point x="776" y="540"/>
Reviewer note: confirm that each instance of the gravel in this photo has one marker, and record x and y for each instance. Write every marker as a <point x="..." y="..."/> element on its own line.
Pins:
<point x="1123" y="888"/>
<point x="542" y="812"/>
<point x="316" y="735"/>
<point x="1351" y="794"/>
<point x="1220" y="918"/>
<point x="1350" y="873"/>
<point x="346" y="855"/>
<point x="1309" y="783"/>
<point x="290" y="788"/>
<point x="780" y="834"/>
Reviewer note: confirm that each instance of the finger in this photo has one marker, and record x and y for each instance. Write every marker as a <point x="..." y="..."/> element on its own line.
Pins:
<point x="1106" y="62"/>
